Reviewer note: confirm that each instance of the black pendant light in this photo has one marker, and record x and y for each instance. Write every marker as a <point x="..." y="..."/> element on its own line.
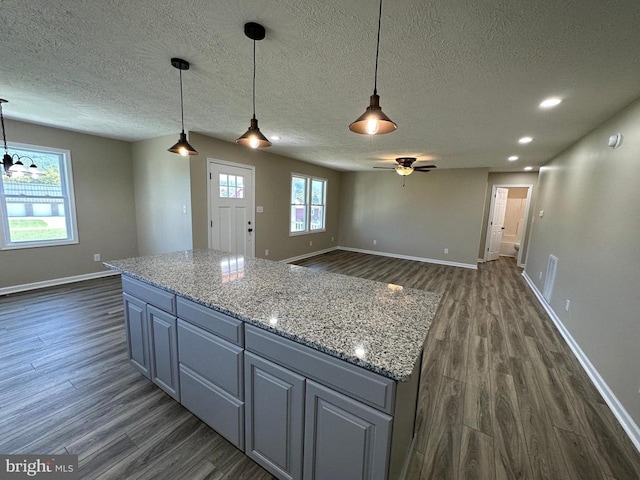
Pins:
<point x="373" y="121"/>
<point x="182" y="147"/>
<point x="17" y="168"/>
<point x="253" y="137"/>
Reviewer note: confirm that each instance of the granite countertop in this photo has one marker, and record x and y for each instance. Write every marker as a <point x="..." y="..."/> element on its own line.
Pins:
<point x="378" y="326"/>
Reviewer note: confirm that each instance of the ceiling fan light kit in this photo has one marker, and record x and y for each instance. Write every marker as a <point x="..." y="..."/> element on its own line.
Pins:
<point x="253" y="138"/>
<point x="374" y="121"/>
<point x="182" y="147"/>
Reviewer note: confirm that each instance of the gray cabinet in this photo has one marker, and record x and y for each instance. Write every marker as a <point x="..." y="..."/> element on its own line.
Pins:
<point x="152" y="334"/>
<point x="343" y="438"/>
<point x="274" y="413"/>
<point x="211" y="368"/>
<point x="164" y="350"/>
<point x="135" y="312"/>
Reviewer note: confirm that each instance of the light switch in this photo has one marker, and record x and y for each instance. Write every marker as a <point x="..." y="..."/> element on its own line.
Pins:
<point x="541" y="213"/>
<point x="259" y="209"/>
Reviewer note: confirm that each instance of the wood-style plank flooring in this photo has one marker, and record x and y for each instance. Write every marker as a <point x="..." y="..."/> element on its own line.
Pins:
<point x="501" y="395"/>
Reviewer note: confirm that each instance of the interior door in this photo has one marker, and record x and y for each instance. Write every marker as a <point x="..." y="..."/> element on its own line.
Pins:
<point x="497" y="222"/>
<point x="231" y="221"/>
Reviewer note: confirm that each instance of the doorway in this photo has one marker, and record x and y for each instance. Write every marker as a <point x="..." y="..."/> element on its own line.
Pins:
<point x="231" y="207"/>
<point x="507" y="222"/>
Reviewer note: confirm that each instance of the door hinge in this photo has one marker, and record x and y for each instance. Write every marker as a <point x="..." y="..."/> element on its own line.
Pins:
<point x="211" y="223"/>
<point x="210" y="176"/>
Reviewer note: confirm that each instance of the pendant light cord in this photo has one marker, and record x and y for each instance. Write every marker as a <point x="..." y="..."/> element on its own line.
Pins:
<point x="375" y="78"/>
<point x="181" y="103"/>
<point x="4" y="135"/>
<point x="254" y="79"/>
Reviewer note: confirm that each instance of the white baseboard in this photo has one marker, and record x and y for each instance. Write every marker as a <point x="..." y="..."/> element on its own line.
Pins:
<point x="621" y="414"/>
<point x="310" y="254"/>
<point x="56" y="281"/>
<point x="409" y="257"/>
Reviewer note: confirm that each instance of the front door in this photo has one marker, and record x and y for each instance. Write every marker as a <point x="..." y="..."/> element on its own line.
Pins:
<point x="231" y="222"/>
<point x="497" y="222"/>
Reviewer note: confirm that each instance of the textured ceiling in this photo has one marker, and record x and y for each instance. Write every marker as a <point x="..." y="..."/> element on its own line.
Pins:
<point x="461" y="78"/>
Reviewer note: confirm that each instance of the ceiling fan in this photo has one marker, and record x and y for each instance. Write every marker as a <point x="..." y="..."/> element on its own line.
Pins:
<point x="405" y="167"/>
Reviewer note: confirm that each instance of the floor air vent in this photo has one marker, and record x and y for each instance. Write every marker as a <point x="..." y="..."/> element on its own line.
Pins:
<point x="552" y="264"/>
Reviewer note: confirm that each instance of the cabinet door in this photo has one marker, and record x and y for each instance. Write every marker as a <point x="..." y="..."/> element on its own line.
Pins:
<point x="137" y="333"/>
<point x="343" y="438"/>
<point x="163" y="343"/>
<point x="274" y="412"/>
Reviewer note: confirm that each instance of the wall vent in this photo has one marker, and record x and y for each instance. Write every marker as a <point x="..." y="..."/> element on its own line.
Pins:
<point x="550" y="277"/>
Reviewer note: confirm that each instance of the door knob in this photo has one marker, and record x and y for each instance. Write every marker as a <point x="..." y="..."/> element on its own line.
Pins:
<point x="250" y="230"/>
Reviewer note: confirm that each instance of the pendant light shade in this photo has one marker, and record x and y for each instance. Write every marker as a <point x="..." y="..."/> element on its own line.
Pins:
<point x="253" y="137"/>
<point x="182" y="147"/>
<point x="373" y="121"/>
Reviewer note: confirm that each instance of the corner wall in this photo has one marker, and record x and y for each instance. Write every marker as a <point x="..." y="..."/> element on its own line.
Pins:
<point x="434" y="211"/>
<point x="590" y="197"/>
<point x="103" y="186"/>
<point x="162" y="193"/>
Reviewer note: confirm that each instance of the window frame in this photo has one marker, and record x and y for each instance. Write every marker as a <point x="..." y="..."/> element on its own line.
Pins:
<point x="309" y="179"/>
<point x="68" y="194"/>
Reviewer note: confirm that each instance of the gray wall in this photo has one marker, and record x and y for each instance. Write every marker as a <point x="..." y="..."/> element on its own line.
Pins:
<point x="273" y="192"/>
<point x="162" y="189"/>
<point x="514" y="178"/>
<point x="590" y="196"/>
<point x="102" y="179"/>
<point x="434" y="211"/>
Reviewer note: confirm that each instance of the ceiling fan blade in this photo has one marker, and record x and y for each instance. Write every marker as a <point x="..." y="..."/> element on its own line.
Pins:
<point x="424" y="168"/>
<point x="422" y="171"/>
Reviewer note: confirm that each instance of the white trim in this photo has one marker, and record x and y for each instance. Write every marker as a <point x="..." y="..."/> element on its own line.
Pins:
<point x="409" y="257"/>
<point x="310" y="254"/>
<point x="621" y="414"/>
<point x="55" y="281"/>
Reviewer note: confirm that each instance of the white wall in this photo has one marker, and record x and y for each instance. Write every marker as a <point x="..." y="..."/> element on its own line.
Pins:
<point x="590" y="195"/>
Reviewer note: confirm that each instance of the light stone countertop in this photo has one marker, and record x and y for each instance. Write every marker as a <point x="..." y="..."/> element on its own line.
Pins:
<point x="378" y="326"/>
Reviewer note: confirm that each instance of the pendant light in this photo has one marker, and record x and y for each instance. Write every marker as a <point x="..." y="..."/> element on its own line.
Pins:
<point x="253" y="137"/>
<point x="182" y="147"/>
<point x="17" y="168"/>
<point x="373" y="121"/>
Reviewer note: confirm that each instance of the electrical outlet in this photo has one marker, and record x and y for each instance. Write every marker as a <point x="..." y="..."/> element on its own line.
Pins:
<point x="540" y="276"/>
<point x="311" y="243"/>
<point x="375" y="242"/>
<point x="446" y="251"/>
<point x="332" y="239"/>
<point x="567" y="305"/>
<point x="184" y="209"/>
<point x="266" y="252"/>
<point x="96" y="257"/>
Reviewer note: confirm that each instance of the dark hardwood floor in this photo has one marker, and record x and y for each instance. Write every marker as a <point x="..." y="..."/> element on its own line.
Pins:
<point x="501" y="396"/>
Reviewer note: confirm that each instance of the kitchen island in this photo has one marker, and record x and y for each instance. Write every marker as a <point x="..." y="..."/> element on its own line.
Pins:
<point x="312" y="374"/>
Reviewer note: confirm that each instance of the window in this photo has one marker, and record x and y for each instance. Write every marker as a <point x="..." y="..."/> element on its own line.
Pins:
<point x="308" y="204"/>
<point x="40" y="211"/>
<point x="231" y="186"/>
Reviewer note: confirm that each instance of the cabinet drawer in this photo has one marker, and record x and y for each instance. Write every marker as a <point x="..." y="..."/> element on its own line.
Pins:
<point x="215" y="359"/>
<point x="150" y="294"/>
<point x="222" y="325"/>
<point x="357" y="382"/>
<point x="216" y="408"/>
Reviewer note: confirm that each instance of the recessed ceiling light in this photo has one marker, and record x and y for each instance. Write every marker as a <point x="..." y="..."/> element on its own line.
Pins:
<point x="275" y="137"/>
<point x="513" y="158"/>
<point x="550" y="102"/>
<point x="524" y="140"/>
<point x="528" y="168"/>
